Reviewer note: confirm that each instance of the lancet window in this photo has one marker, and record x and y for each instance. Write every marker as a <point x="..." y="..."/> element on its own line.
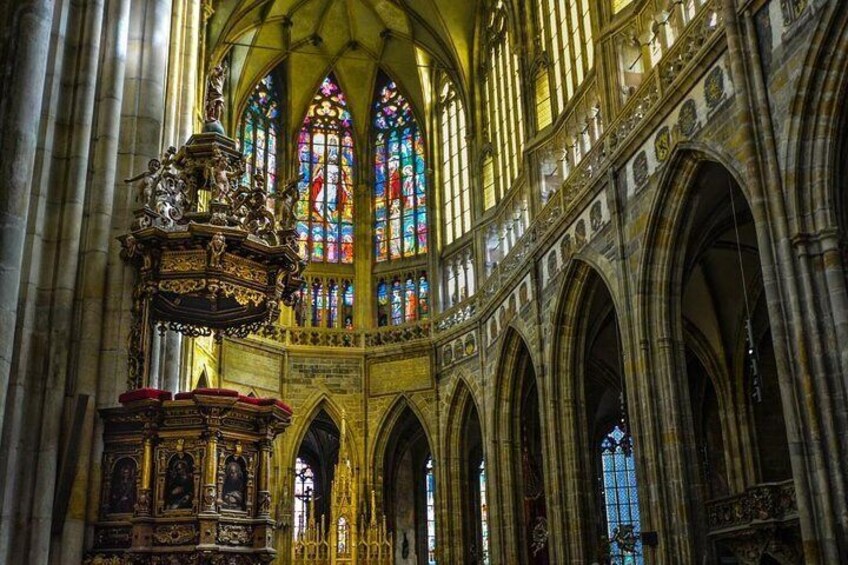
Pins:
<point x="430" y="489"/>
<point x="400" y="182"/>
<point x="620" y="497"/>
<point x="456" y="181"/>
<point x="326" y="168"/>
<point x="484" y="515"/>
<point x="304" y="489"/>
<point x="259" y="132"/>
<point x="459" y="277"/>
<point x="402" y="299"/>
<point x="565" y="29"/>
<point x="504" y="115"/>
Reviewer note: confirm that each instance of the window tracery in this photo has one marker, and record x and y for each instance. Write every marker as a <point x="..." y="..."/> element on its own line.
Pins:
<point x="259" y="132"/>
<point x="400" y="186"/>
<point x="504" y="114"/>
<point x="456" y="181"/>
<point x="326" y="168"/>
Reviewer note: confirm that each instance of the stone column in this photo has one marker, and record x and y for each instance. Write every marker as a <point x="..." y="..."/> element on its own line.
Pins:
<point x="26" y="61"/>
<point x="94" y="266"/>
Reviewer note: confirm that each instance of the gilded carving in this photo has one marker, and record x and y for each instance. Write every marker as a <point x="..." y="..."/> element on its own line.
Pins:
<point x="180" y="262"/>
<point x="182" y="286"/>
<point x="175" y="534"/>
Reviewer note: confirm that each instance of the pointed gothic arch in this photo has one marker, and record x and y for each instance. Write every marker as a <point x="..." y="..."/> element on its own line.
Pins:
<point x="464" y="459"/>
<point x="517" y="461"/>
<point x="702" y="266"/>
<point x="405" y="464"/>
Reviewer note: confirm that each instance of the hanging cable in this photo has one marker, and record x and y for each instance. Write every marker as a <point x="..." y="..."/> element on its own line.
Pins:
<point x="753" y="358"/>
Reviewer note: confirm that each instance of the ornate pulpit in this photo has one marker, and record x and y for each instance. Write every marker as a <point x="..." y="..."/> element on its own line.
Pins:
<point x="187" y="479"/>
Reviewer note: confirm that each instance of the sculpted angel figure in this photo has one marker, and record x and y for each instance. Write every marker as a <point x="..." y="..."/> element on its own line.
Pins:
<point x="215" y="93"/>
<point x="148" y="181"/>
<point x="218" y="176"/>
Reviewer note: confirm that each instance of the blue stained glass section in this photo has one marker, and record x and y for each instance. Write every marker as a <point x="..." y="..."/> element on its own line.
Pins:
<point x="621" y="498"/>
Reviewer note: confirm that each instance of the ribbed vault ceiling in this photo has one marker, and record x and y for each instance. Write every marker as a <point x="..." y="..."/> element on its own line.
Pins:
<point x="352" y="37"/>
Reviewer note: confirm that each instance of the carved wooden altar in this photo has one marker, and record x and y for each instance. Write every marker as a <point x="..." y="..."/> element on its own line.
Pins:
<point x="187" y="480"/>
<point x="356" y="535"/>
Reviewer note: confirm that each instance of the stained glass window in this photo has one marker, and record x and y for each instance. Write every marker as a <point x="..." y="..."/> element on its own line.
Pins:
<point x="430" y="486"/>
<point x="400" y="186"/>
<point x="484" y="516"/>
<point x="326" y="168"/>
<point x="620" y="496"/>
<point x="456" y="182"/>
<point x="397" y="303"/>
<point x="403" y="300"/>
<point x="318" y="304"/>
<point x="304" y="485"/>
<point x="382" y="304"/>
<point x="260" y="132"/>
<point x="325" y="303"/>
<point x="347" y="305"/>
<point x="565" y="28"/>
<point x="342" y="529"/>
<point x="504" y="115"/>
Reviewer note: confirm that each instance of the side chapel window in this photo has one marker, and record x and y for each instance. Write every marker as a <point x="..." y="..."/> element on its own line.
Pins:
<point x="620" y="497"/>
<point x="484" y="516"/>
<point x="430" y="486"/>
<point x="260" y="131"/>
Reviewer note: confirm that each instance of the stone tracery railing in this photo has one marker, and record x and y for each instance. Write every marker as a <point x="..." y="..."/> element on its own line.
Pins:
<point x="348" y="339"/>
<point x="761" y="504"/>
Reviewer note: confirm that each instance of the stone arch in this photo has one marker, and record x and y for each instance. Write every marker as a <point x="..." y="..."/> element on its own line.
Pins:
<point x="322" y="401"/>
<point x="701" y="219"/>
<point x="588" y="314"/>
<point x="387" y="425"/>
<point x="462" y="414"/>
<point x="403" y="449"/>
<point x="816" y="125"/>
<point x="516" y="465"/>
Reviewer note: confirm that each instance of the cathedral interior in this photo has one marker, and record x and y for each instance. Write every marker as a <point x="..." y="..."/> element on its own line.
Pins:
<point x="423" y="282"/>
